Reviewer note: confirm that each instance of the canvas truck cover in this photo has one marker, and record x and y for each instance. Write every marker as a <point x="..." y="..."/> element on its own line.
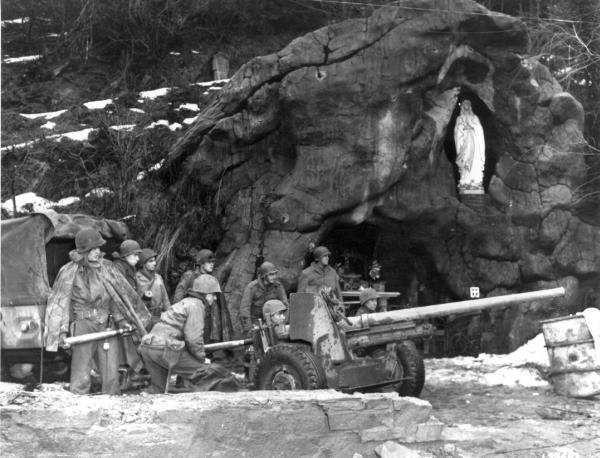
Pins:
<point x="25" y="284"/>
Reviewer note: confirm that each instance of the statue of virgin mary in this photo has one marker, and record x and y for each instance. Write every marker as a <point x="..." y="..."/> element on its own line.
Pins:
<point x="470" y="148"/>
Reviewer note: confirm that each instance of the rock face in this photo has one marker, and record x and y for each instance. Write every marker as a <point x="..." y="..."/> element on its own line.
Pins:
<point x="349" y="131"/>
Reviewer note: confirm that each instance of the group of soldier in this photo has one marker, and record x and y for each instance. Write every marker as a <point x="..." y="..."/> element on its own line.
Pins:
<point x="92" y="294"/>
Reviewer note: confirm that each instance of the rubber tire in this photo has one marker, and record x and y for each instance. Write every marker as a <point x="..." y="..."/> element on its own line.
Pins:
<point x="296" y="362"/>
<point x="413" y="367"/>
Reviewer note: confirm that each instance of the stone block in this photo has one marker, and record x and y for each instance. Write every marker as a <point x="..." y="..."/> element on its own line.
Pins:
<point x="429" y="431"/>
<point x="340" y="420"/>
<point x="391" y="449"/>
<point x="410" y="411"/>
<point x="382" y="433"/>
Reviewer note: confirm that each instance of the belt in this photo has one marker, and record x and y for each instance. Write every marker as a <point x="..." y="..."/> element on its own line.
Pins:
<point x="91" y="314"/>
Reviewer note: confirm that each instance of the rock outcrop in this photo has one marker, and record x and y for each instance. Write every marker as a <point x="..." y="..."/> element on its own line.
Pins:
<point x="350" y="126"/>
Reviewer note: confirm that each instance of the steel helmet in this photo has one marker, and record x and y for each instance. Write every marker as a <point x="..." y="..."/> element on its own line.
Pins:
<point x="88" y="239"/>
<point x="320" y="251"/>
<point x="267" y="268"/>
<point x="146" y="254"/>
<point x="367" y="295"/>
<point x="271" y="307"/>
<point x="206" y="284"/>
<point x="128" y="247"/>
<point x="204" y="255"/>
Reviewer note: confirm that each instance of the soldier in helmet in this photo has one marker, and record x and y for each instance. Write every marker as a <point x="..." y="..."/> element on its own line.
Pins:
<point x="259" y="291"/>
<point x="204" y="263"/>
<point x="176" y="342"/>
<point x="151" y="286"/>
<point x="368" y="302"/>
<point x="320" y="274"/>
<point x="126" y="260"/>
<point x="90" y="295"/>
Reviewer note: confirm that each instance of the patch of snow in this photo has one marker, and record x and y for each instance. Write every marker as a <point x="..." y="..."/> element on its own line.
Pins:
<point x="16" y="60"/>
<point x="214" y="88"/>
<point x="155" y="93"/>
<point x="189" y="107"/>
<point x="97" y="104"/>
<point x="513" y="376"/>
<point x="195" y="52"/>
<point x="67" y="201"/>
<point x="157" y="166"/>
<point x="21" y="20"/>
<point x="137" y="110"/>
<point x="99" y="192"/>
<point x="205" y="93"/>
<point x="174" y="53"/>
<point x="164" y="122"/>
<point x="52" y="35"/>
<point x="141" y="176"/>
<point x="211" y="83"/>
<point x="80" y="135"/>
<point x="49" y="125"/>
<point x="29" y="198"/>
<point x="189" y="121"/>
<point x="49" y="115"/>
<point x="18" y="145"/>
<point x="127" y="127"/>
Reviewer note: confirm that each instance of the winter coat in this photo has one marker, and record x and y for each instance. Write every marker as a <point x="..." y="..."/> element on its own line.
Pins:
<point x="316" y="276"/>
<point x="221" y="328"/>
<point x="181" y="326"/>
<point x="257" y="292"/>
<point x="126" y="270"/>
<point x="58" y="309"/>
<point x="153" y="282"/>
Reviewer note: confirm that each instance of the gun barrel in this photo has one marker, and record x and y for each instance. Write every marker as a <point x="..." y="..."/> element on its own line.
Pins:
<point x="93" y="336"/>
<point x="468" y="306"/>
<point x="227" y="345"/>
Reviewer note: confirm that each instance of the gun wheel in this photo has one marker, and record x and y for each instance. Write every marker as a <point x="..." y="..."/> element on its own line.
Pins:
<point x="413" y="367"/>
<point x="289" y="367"/>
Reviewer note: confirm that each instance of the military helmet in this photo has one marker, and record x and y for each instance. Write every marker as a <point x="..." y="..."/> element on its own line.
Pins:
<point x="367" y="295"/>
<point x="271" y="307"/>
<point x="206" y="284"/>
<point x="146" y="254"/>
<point x="266" y="268"/>
<point x="319" y="252"/>
<point x="88" y="239"/>
<point x="204" y="256"/>
<point x="128" y="247"/>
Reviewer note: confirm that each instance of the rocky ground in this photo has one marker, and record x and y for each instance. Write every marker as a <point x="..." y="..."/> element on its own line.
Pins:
<point x="490" y="406"/>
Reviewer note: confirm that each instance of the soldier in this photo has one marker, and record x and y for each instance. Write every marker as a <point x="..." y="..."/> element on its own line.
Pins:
<point x="151" y="286"/>
<point x="259" y="291"/>
<point x="126" y="260"/>
<point x="203" y="264"/>
<point x="87" y="292"/>
<point x="176" y="342"/>
<point x="274" y="312"/>
<point x="320" y="274"/>
<point x="368" y="302"/>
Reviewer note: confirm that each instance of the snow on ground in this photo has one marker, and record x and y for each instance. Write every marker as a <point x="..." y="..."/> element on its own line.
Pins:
<point x="49" y="115"/>
<point x="30" y="200"/>
<point x="21" y="20"/>
<point x="97" y="104"/>
<point x="521" y="367"/>
<point x="165" y="123"/>
<point x="188" y="106"/>
<point x="49" y="125"/>
<point x="16" y="60"/>
<point x="161" y="92"/>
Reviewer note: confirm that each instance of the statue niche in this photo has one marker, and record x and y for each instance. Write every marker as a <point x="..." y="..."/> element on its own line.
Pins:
<point x="470" y="150"/>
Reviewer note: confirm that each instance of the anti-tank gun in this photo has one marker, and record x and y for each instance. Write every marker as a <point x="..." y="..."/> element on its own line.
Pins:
<point x="365" y="353"/>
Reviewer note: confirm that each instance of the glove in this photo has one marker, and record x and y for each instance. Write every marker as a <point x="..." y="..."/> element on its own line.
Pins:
<point x="61" y="341"/>
<point x="125" y="326"/>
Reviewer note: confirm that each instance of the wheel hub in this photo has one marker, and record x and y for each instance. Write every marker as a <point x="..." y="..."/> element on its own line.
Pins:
<point x="283" y="380"/>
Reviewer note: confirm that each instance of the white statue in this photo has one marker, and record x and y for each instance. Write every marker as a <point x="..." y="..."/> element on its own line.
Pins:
<point x="470" y="148"/>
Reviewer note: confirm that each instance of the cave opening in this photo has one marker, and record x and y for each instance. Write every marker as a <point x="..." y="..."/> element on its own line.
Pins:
<point x="406" y="264"/>
<point x="490" y="132"/>
<point x="407" y="267"/>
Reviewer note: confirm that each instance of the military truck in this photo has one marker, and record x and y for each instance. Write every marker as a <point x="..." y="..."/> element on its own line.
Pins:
<point x="34" y="248"/>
